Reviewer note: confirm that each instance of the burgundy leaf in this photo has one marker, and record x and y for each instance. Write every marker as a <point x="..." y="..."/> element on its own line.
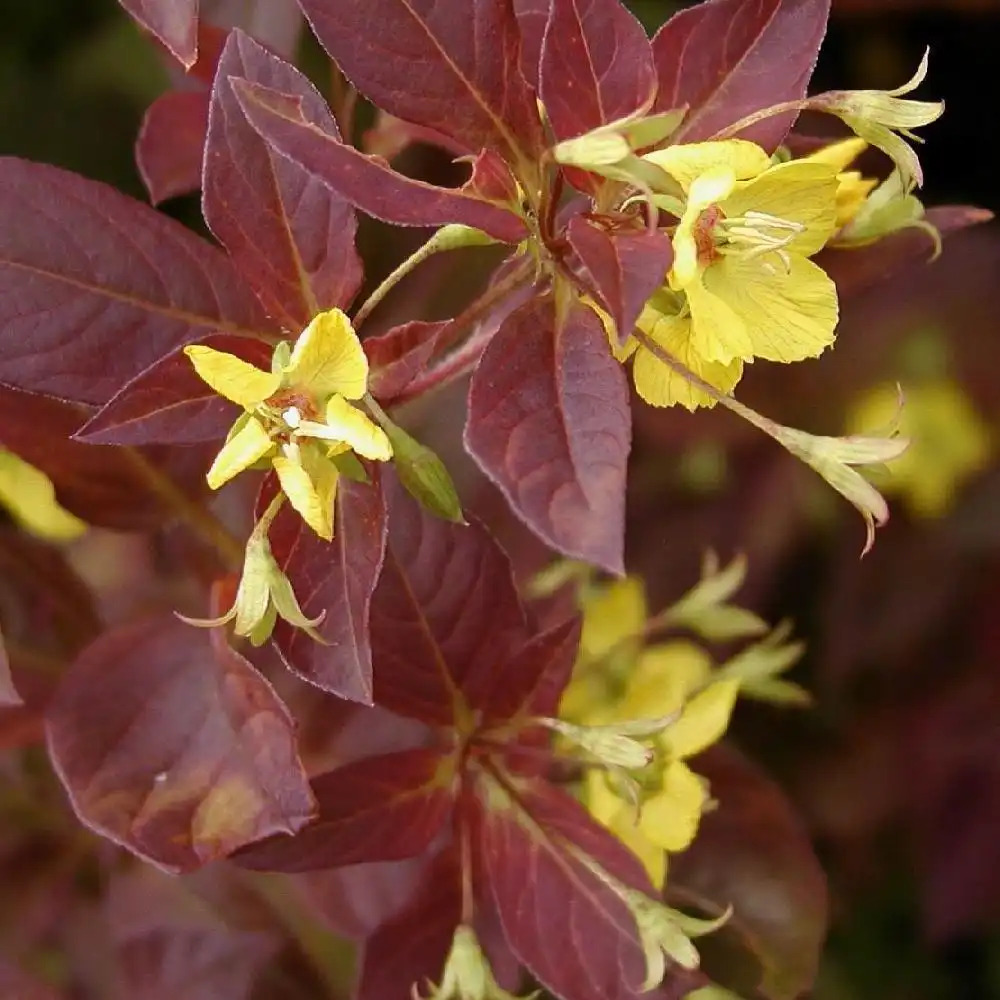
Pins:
<point x="460" y="75"/>
<point x="549" y="423"/>
<point x="532" y="16"/>
<point x="175" y="747"/>
<point x="366" y="181"/>
<point x="409" y="950"/>
<point x="102" y="485"/>
<point x="171" y="943"/>
<point x="171" y="141"/>
<point x="277" y="24"/>
<point x="533" y="678"/>
<point x="397" y="356"/>
<point x="334" y="579"/>
<point x="95" y="287"/>
<point x="168" y="403"/>
<point x="382" y="808"/>
<point x="724" y="59"/>
<point x="8" y="693"/>
<point x="562" y="921"/>
<point x="752" y="852"/>
<point x="445" y="607"/>
<point x="292" y="238"/>
<point x="173" y="22"/>
<point x="596" y="65"/>
<point x="855" y="270"/>
<point x="624" y="268"/>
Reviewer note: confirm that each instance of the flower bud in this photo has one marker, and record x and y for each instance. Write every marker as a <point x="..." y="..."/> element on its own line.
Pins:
<point x="467" y="973"/>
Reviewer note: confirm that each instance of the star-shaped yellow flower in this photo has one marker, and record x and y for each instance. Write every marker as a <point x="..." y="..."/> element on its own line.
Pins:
<point x="743" y="282"/>
<point x="298" y="416"/>
<point x="673" y="678"/>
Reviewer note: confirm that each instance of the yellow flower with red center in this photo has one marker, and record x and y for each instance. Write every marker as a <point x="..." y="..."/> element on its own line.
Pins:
<point x="298" y="417"/>
<point x="742" y="282"/>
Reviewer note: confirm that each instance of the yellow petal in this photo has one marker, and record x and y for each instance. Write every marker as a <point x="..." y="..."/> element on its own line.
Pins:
<point x="248" y="445"/>
<point x="798" y="191"/>
<point x="703" y="720"/>
<point x="310" y="491"/>
<point x="601" y="800"/>
<point x="839" y="155"/>
<point x="685" y="162"/>
<point x="659" y="385"/>
<point x="232" y="377"/>
<point x="787" y="315"/>
<point x="612" y="612"/>
<point x="663" y="677"/>
<point x="718" y="331"/>
<point x="852" y="191"/>
<point x="30" y="497"/>
<point x="328" y="358"/>
<point x="625" y="827"/>
<point x="349" y="424"/>
<point x="670" y="818"/>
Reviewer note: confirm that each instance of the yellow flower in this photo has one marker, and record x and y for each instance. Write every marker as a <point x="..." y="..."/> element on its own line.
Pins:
<point x="949" y="441"/>
<point x="672" y="678"/>
<point x="852" y="186"/>
<point x="299" y="416"/>
<point x="29" y="496"/>
<point x="743" y="282"/>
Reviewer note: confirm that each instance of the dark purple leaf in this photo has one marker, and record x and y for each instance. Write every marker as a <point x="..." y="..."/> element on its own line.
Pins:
<point x="596" y="65"/>
<point x="170" y="943"/>
<point x="445" y="609"/>
<point x="292" y="238"/>
<point x="532" y="16"/>
<point x="367" y="181"/>
<point x="409" y="950"/>
<point x="753" y="853"/>
<point x="397" y="356"/>
<point x="383" y="808"/>
<point x="460" y="75"/>
<point x="857" y="269"/>
<point x="549" y="423"/>
<point x="95" y="287"/>
<point x="624" y="268"/>
<point x="335" y="579"/>
<point x="171" y="142"/>
<point x="724" y="59"/>
<point x="104" y="486"/>
<point x="567" y="926"/>
<point x="173" y="746"/>
<point x="173" y="22"/>
<point x="168" y="403"/>
<point x="532" y="680"/>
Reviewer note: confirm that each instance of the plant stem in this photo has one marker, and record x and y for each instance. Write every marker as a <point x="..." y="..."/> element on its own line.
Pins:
<point x="201" y="521"/>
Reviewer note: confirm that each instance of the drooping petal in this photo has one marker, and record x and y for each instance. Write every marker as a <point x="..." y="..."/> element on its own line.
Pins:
<point x="660" y="385"/>
<point x="310" y="483"/>
<point x="662" y="678"/>
<point x="613" y="612"/>
<point x="685" y="162"/>
<point x="349" y="424"/>
<point x="232" y="377"/>
<point x="248" y="445"/>
<point x="799" y="191"/>
<point x="670" y="818"/>
<point x="624" y="825"/>
<point x="31" y="499"/>
<point x="718" y="332"/>
<point x="328" y="358"/>
<point x="703" y="720"/>
<point x="787" y="315"/>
